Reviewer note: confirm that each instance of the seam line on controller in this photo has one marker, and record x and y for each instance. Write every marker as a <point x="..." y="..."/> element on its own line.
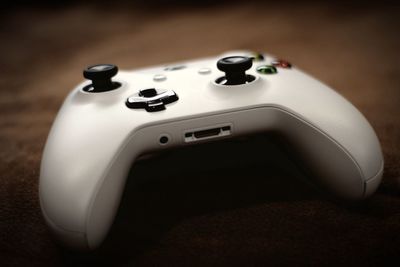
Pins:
<point x="380" y="172"/>
<point x="323" y="132"/>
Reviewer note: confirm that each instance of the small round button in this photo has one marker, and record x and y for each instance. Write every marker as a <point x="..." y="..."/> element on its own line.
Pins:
<point x="204" y="71"/>
<point x="282" y="64"/>
<point x="101" y="75"/>
<point x="159" y="77"/>
<point x="267" y="69"/>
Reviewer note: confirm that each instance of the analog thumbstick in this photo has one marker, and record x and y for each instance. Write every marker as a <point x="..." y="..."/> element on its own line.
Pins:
<point x="235" y="70"/>
<point x="101" y="75"/>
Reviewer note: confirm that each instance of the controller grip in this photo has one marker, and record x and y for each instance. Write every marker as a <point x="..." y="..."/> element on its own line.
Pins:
<point x="334" y="167"/>
<point x="80" y="199"/>
<point x="330" y="136"/>
<point x="83" y="171"/>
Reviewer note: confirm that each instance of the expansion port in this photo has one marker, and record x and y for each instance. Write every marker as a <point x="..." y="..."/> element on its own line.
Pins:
<point x="207" y="133"/>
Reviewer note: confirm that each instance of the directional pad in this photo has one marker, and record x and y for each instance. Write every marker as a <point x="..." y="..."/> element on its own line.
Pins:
<point x="151" y="99"/>
<point x="148" y="92"/>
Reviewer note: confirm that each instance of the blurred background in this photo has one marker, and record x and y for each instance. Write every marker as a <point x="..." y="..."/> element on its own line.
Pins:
<point x="353" y="46"/>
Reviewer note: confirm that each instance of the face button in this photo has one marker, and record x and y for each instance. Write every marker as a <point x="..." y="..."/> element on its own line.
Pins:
<point x="101" y="75"/>
<point x="282" y="64"/>
<point x="148" y="92"/>
<point x="257" y="57"/>
<point x="151" y="104"/>
<point x="159" y="77"/>
<point x="204" y="71"/>
<point x="235" y="70"/>
<point x="267" y="69"/>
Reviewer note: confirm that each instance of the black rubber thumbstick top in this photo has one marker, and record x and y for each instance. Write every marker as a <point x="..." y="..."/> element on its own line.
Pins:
<point x="101" y="75"/>
<point x="235" y="69"/>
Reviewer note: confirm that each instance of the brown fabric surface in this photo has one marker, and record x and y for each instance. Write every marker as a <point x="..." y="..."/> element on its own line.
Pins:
<point x="241" y="204"/>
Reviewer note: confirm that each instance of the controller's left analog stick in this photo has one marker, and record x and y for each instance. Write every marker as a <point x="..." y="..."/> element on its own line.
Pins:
<point x="101" y="75"/>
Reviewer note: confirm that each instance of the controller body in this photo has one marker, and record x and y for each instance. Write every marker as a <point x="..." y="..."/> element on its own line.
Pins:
<point x="97" y="136"/>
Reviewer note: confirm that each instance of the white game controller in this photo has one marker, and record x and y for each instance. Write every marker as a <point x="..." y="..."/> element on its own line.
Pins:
<point x="104" y="125"/>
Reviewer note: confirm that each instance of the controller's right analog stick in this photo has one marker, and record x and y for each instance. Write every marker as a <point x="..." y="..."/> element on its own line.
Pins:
<point x="101" y="75"/>
<point x="235" y="70"/>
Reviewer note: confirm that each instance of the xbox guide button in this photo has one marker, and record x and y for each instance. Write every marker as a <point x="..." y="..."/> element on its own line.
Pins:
<point x="174" y="67"/>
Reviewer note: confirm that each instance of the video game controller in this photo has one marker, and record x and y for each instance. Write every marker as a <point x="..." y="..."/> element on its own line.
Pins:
<point x="105" y="124"/>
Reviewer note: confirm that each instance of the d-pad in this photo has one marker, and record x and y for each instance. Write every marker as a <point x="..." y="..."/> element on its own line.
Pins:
<point x="151" y="99"/>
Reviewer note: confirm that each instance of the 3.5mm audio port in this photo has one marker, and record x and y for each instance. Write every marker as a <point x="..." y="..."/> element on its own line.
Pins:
<point x="164" y="140"/>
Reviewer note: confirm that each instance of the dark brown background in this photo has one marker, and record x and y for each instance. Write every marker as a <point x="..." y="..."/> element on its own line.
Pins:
<point x="241" y="204"/>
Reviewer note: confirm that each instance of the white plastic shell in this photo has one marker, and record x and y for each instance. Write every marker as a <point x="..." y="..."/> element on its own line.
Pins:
<point x="95" y="138"/>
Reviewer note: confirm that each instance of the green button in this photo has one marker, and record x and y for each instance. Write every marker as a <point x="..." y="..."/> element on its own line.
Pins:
<point x="267" y="69"/>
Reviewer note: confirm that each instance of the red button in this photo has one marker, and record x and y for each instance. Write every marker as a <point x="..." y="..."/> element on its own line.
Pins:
<point x="282" y="64"/>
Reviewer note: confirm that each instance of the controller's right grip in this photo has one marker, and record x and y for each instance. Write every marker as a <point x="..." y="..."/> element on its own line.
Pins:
<point x="331" y="165"/>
